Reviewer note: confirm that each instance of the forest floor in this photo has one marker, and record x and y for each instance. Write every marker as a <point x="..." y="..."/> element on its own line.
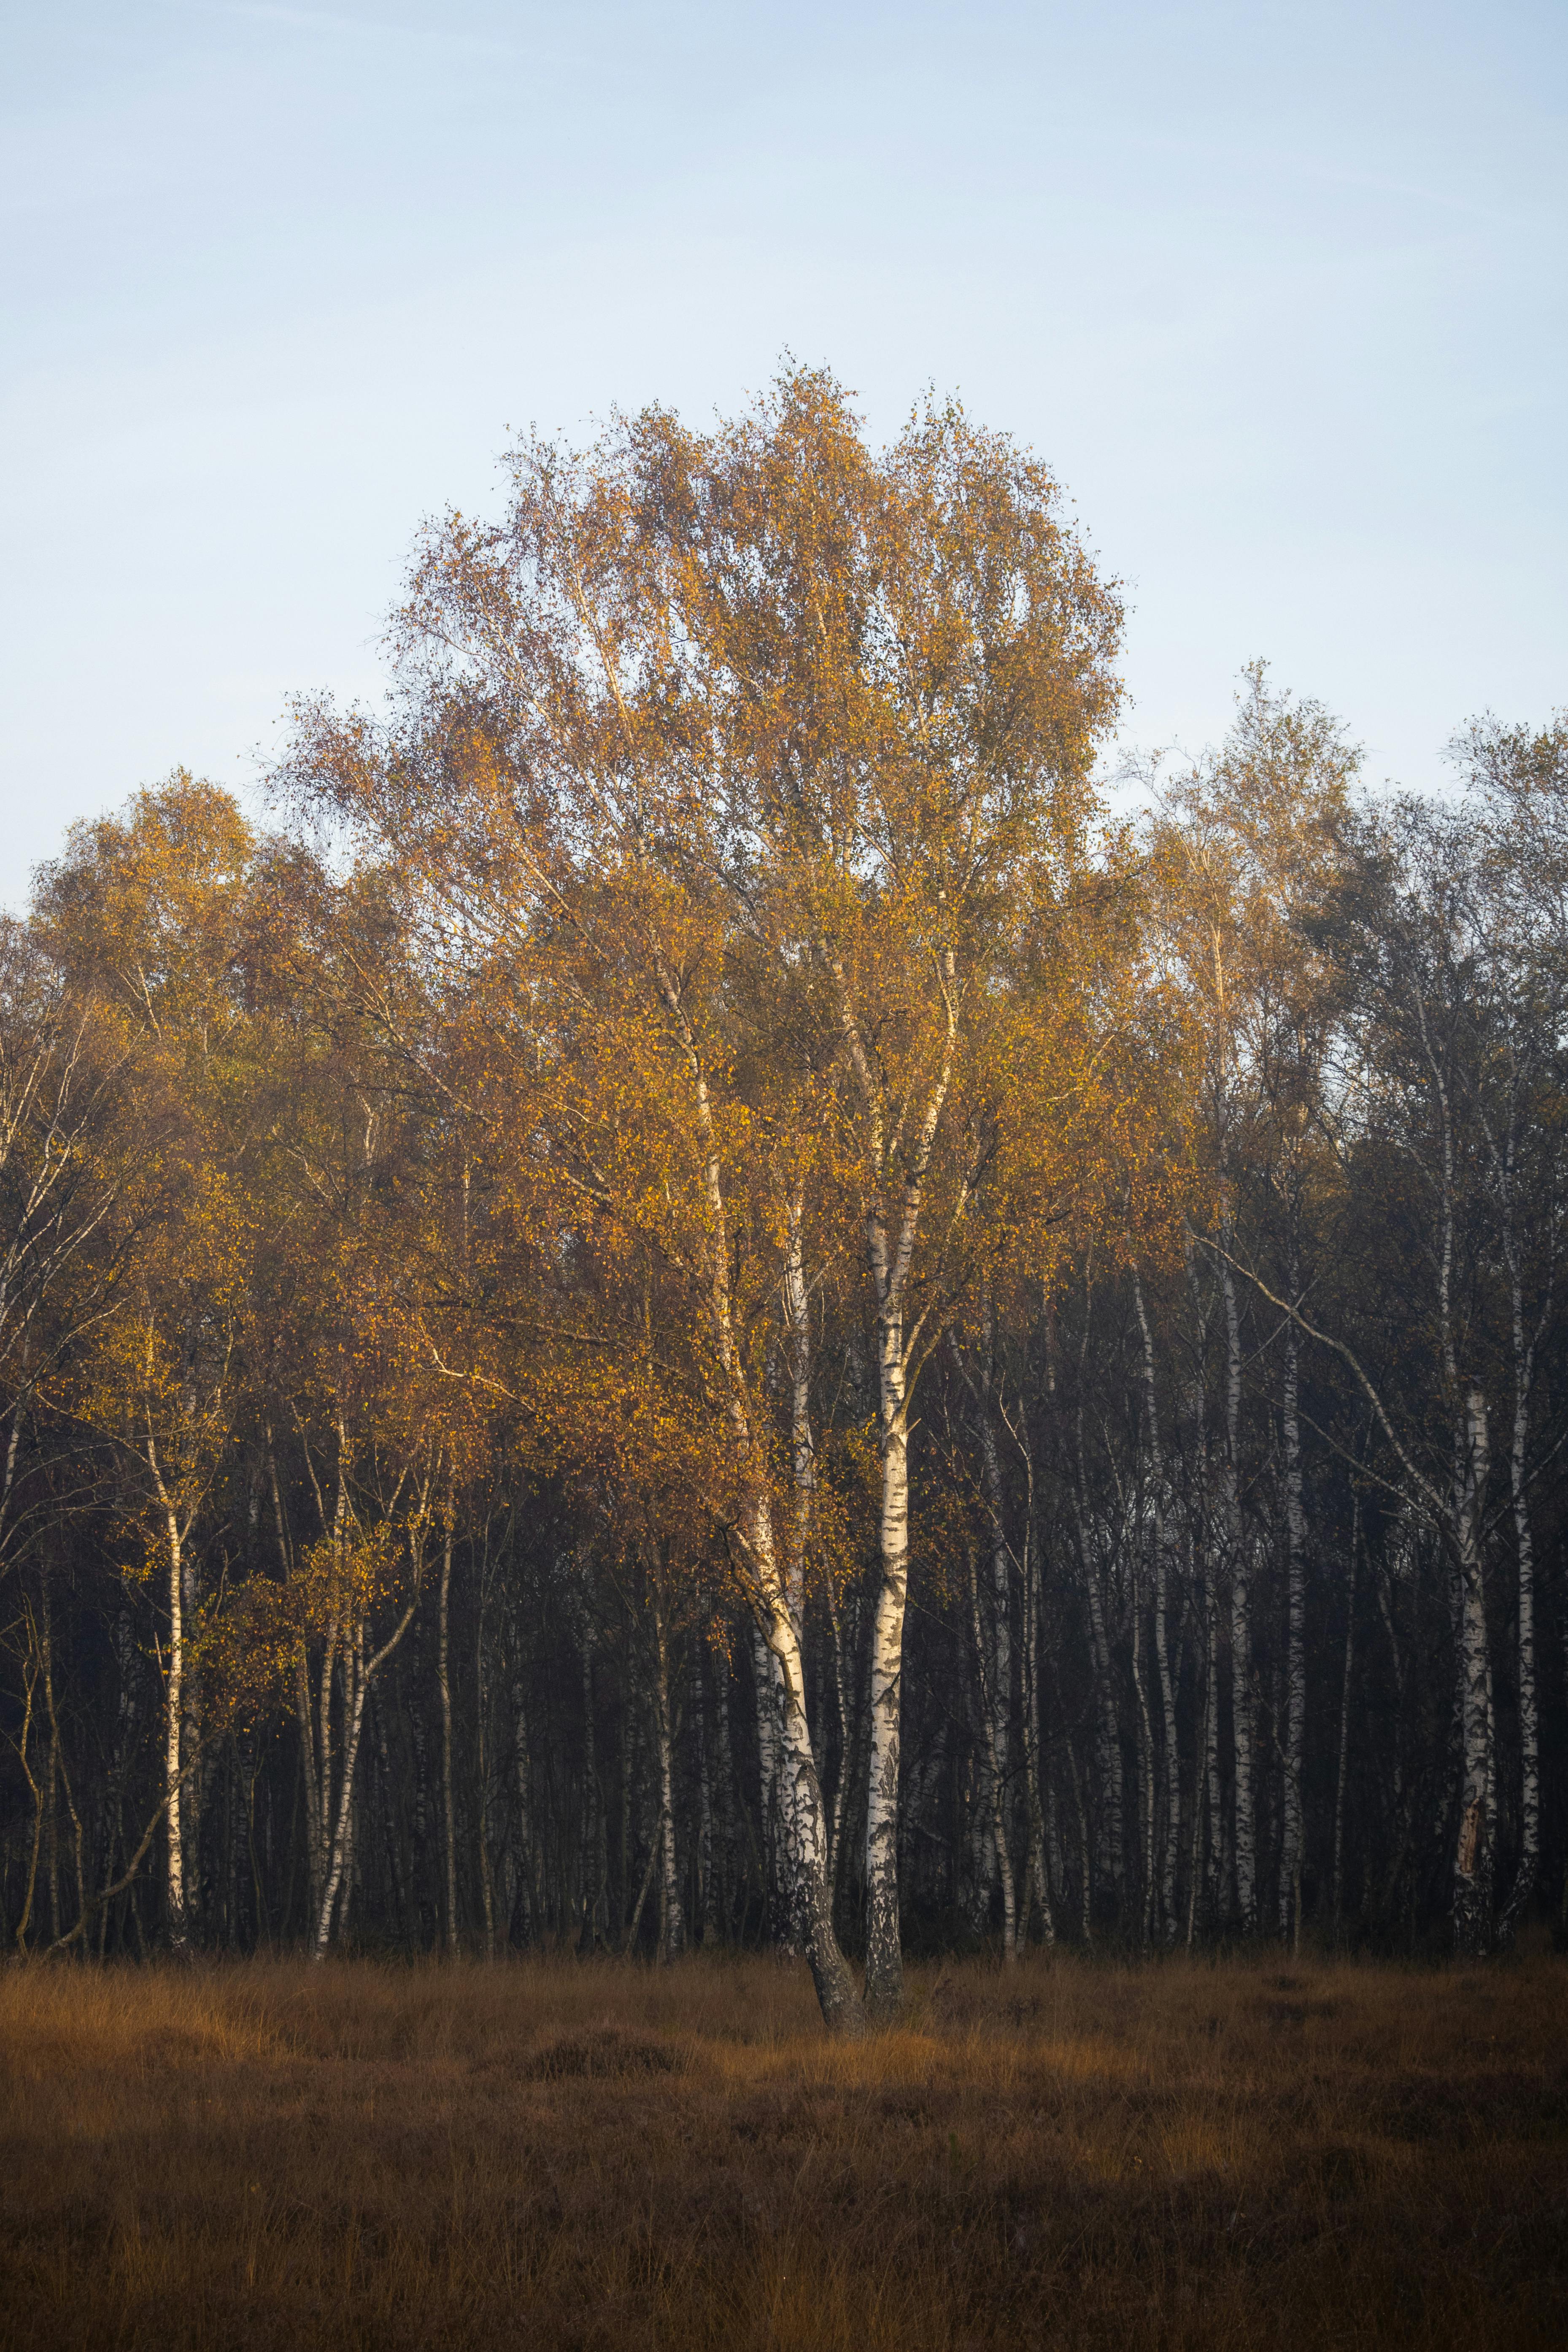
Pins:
<point x="1244" y="2153"/>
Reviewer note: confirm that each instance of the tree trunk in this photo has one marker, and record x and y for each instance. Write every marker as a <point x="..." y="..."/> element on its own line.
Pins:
<point x="1171" y="1817"/>
<point x="173" y="1718"/>
<point x="996" y="1785"/>
<point x="1034" y="1790"/>
<point x="1342" y="1775"/>
<point x="1473" y="1855"/>
<point x="884" y="1951"/>
<point x="1241" y="1696"/>
<point x="448" y="1796"/>
<point x="671" y="1917"/>
<point x="1529" y="1730"/>
<point x="1293" y="1836"/>
<point x="706" y="1894"/>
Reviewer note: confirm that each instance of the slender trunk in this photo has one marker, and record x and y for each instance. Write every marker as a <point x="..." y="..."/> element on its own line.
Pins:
<point x="393" y="1838"/>
<point x="884" y="1951"/>
<point x="1293" y="1839"/>
<point x="588" y="1837"/>
<point x="356" y="1686"/>
<point x="1108" y="1743"/>
<point x="1146" y="1768"/>
<point x="527" y="1896"/>
<point x="1473" y="1856"/>
<point x="482" y="1772"/>
<point x="803" y="1451"/>
<point x="1205" y="1775"/>
<point x="1241" y="1695"/>
<point x="448" y="1797"/>
<point x="998" y="1668"/>
<point x="1529" y="1730"/>
<point x="1086" y="1877"/>
<point x="706" y="1893"/>
<point x="1213" y="1815"/>
<point x="1171" y="1831"/>
<point x="51" y="1760"/>
<point x="729" y="1822"/>
<point x="1171" y="1815"/>
<point x="173" y="1718"/>
<point x="358" y="1673"/>
<point x="671" y="1917"/>
<point x="1107" y="1733"/>
<point x="994" y="1777"/>
<point x="1342" y="1776"/>
<point x="1039" y="1873"/>
<point x="59" y="1776"/>
<point x="836" y="1814"/>
<point x="193" y="1789"/>
<point x="29" y="1687"/>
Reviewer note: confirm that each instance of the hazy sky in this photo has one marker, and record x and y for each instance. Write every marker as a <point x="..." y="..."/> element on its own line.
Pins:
<point x="1278" y="292"/>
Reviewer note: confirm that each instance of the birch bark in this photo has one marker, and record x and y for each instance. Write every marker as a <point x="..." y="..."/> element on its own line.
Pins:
<point x="894" y="1198"/>
<point x="1473" y="1854"/>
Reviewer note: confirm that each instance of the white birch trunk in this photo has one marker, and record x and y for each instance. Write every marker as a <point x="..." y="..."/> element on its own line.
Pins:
<point x="173" y="1718"/>
<point x="884" y="1951"/>
<point x="801" y="1809"/>
<point x="800" y="1792"/>
<point x="1473" y="1852"/>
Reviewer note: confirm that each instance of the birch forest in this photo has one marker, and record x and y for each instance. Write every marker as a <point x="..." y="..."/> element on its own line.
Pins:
<point x="703" y="1296"/>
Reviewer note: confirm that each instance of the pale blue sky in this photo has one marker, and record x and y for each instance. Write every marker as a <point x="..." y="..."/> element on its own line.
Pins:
<point x="1279" y="291"/>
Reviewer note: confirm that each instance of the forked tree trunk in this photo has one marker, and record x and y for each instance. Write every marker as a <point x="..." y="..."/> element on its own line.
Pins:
<point x="800" y="1793"/>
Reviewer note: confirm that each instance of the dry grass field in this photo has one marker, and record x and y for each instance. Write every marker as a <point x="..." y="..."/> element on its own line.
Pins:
<point x="553" y="2154"/>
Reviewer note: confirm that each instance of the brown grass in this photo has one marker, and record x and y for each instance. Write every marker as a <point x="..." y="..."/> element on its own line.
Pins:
<point x="549" y="2153"/>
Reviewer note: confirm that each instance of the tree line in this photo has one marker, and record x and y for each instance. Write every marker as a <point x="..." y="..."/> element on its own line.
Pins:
<point x="699" y="1303"/>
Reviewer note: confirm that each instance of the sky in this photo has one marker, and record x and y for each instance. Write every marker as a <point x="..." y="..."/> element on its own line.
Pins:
<point x="1277" y="292"/>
